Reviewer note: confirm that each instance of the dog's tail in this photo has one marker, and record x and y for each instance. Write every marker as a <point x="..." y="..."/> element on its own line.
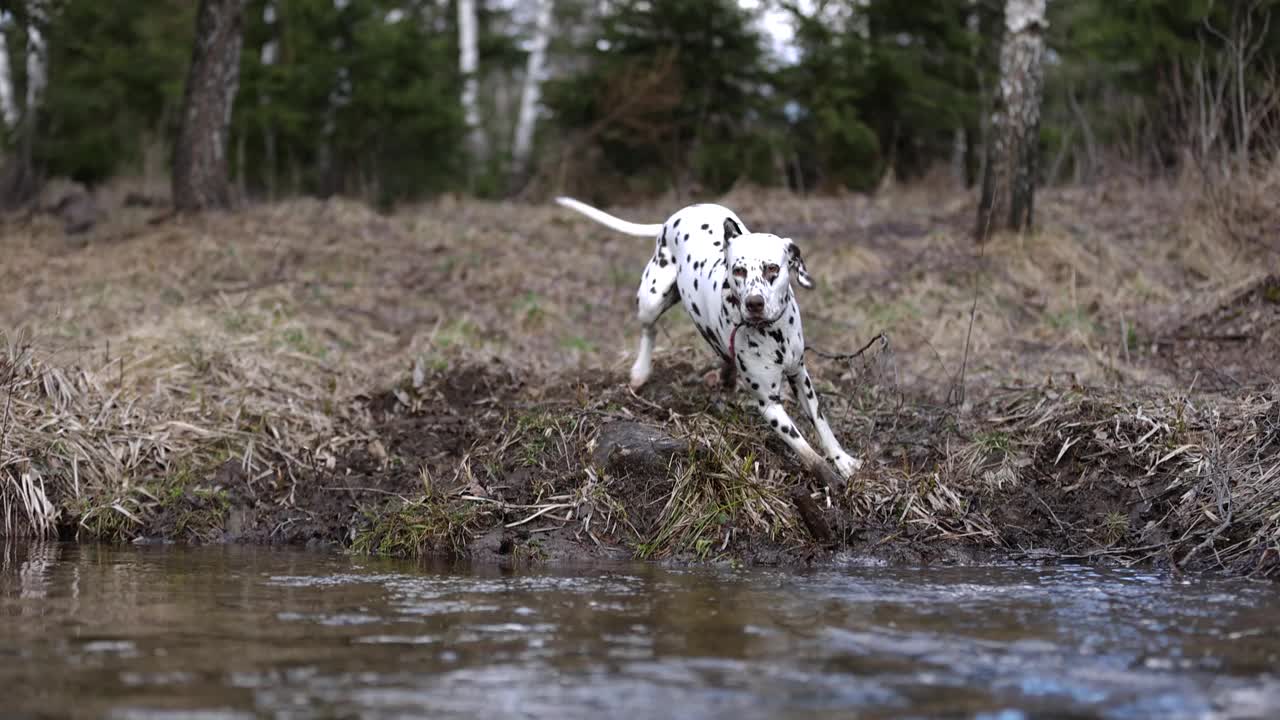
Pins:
<point x="610" y="221"/>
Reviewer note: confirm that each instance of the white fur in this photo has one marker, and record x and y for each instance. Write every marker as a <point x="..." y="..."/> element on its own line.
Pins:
<point x="697" y="249"/>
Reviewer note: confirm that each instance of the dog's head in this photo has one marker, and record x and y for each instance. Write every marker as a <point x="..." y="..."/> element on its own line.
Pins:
<point x="760" y="269"/>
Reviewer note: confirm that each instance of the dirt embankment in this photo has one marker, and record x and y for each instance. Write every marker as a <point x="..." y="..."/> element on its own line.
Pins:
<point x="451" y="380"/>
<point x="484" y="462"/>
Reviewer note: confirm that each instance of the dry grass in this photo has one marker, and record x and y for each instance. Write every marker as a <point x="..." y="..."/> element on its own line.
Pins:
<point x="139" y="363"/>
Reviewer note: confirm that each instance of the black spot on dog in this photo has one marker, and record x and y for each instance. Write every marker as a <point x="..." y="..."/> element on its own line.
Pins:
<point x="773" y="422"/>
<point x="776" y="398"/>
<point x="792" y="432"/>
<point x="706" y="226"/>
<point x="742" y="365"/>
<point x="777" y="356"/>
<point x="694" y="307"/>
<point x="726" y="284"/>
<point x="662" y="262"/>
<point x="806" y="381"/>
<point x="695" y="283"/>
<point x="676" y="224"/>
<point x="686" y="237"/>
<point x="791" y="319"/>
<point x="716" y="243"/>
<point x="761" y="403"/>
<point x="777" y="336"/>
<point x="653" y="290"/>
<point x="753" y="344"/>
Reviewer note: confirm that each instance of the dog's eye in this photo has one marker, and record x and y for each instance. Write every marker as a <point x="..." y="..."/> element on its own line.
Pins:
<point x="771" y="272"/>
<point x="740" y="273"/>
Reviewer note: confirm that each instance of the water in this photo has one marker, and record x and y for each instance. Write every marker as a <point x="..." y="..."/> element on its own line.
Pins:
<point x="235" y="632"/>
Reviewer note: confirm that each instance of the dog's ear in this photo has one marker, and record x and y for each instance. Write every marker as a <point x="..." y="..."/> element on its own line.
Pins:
<point x="795" y="262"/>
<point x="731" y="229"/>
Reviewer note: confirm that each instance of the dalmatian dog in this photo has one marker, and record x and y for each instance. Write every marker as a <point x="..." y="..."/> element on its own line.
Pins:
<point x="736" y="287"/>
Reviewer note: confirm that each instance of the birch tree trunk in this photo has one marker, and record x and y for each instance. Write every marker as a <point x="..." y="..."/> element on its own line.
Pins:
<point x="268" y="54"/>
<point x="1008" y="183"/>
<point x="531" y="93"/>
<point x="468" y="65"/>
<point x="37" y="71"/>
<point x="200" y="172"/>
<point x="8" y="108"/>
<point x="20" y="181"/>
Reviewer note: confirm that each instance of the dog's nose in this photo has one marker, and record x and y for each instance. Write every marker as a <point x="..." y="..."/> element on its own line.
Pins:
<point x="755" y="304"/>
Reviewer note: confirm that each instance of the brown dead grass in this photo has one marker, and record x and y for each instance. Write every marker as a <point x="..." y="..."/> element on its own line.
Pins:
<point x="138" y="362"/>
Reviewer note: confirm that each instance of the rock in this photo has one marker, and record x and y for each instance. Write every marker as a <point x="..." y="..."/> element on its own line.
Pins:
<point x="627" y="446"/>
<point x="78" y="212"/>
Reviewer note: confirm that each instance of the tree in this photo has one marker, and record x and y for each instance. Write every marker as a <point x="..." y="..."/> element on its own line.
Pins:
<point x="8" y="109"/>
<point x="200" y="162"/>
<point x="1013" y="148"/>
<point x="531" y="92"/>
<point x="104" y="108"/>
<point x="21" y="180"/>
<point x="669" y="93"/>
<point x="468" y="67"/>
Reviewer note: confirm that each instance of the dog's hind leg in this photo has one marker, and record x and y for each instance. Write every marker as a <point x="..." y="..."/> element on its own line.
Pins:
<point x="657" y="293"/>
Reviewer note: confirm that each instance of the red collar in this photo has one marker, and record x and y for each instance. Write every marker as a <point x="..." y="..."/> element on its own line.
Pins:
<point x="733" y="357"/>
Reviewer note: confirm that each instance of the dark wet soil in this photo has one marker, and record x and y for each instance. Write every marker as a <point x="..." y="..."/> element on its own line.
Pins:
<point x="483" y="443"/>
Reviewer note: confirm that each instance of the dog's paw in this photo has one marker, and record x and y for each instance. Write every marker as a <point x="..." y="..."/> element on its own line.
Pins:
<point x="639" y="376"/>
<point x="847" y="465"/>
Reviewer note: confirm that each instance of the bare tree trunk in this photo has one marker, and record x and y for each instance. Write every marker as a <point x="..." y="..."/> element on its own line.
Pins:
<point x="531" y="93"/>
<point x="330" y="171"/>
<point x="37" y="55"/>
<point x="8" y="106"/>
<point x="200" y="173"/>
<point x="468" y="66"/>
<point x="1008" y="184"/>
<point x="268" y="54"/>
<point x="20" y="182"/>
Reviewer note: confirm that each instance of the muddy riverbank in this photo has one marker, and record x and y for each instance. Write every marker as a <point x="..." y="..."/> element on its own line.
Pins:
<point x="450" y="380"/>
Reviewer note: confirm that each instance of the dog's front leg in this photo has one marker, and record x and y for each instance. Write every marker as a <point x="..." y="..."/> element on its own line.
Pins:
<point x="802" y="386"/>
<point x="769" y="398"/>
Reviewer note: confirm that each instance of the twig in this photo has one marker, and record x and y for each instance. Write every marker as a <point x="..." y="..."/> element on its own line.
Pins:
<point x="540" y="513"/>
<point x="881" y="336"/>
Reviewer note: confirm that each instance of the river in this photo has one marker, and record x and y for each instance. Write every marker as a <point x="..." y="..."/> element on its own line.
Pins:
<point x="231" y="632"/>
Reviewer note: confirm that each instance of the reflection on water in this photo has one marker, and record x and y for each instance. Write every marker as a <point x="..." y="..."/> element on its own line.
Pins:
<point x="244" y="632"/>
